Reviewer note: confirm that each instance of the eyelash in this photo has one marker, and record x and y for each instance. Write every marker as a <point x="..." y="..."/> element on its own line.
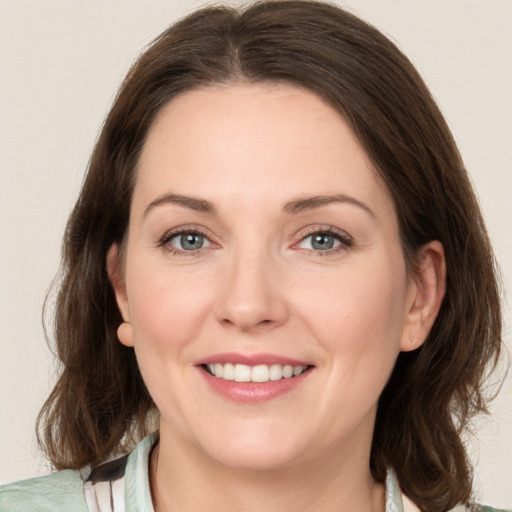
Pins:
<point x="169" y="235"/>
<point x="341" y="236"/>
<point x="344" y="238"/>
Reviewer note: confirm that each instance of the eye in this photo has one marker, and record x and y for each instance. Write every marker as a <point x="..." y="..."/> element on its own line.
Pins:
<point x="321" y="242"/>
<point x="188" y="241"/>
<point x="325" y="240"/>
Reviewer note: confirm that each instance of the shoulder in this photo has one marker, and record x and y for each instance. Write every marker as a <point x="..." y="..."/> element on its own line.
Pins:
<point x="61" y="491"/>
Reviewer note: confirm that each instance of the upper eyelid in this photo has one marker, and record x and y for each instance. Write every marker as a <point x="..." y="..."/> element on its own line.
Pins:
<point x="192" y="228"/>
<point x="311" y="230"/>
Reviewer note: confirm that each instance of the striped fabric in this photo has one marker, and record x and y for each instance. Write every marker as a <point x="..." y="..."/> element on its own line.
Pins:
<point x="104" y="486"/>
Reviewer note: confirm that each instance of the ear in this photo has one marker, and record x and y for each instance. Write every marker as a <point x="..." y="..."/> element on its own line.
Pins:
<point x="426" y="293"/>
<point x="116" y="277"/>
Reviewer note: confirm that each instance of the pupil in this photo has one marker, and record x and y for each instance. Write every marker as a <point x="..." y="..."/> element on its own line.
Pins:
<point x="191" y="241"/>
<point x="323" y="242"/>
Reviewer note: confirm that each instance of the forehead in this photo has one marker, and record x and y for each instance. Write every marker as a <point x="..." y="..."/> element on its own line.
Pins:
<point x="254" y="141"/>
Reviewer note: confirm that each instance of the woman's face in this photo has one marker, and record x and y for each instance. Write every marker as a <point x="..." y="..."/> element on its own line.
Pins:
<point x="262" y="244"/>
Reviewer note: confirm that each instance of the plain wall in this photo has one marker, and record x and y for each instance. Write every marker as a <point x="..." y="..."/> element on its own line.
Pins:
<point x="60" y="65"/>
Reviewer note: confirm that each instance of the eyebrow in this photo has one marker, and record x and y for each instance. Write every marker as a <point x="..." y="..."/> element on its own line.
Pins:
<point x="292" y="207"/>
<point x="309" y="203"/>
<point x="193" y="203"/>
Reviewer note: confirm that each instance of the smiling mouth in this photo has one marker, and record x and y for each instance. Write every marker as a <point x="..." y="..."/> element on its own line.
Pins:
<point x="258" y="373"/>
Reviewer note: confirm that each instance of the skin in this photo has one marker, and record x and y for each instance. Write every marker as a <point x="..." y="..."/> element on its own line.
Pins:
<point x="258" y="286"/>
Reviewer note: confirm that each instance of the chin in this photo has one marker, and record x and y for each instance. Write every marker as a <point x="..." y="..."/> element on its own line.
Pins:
<point x="254" y="449"/>
<point x="267" y="459"/>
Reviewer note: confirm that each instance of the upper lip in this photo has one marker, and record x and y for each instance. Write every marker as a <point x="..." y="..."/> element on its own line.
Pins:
<point x="252" y="359"/>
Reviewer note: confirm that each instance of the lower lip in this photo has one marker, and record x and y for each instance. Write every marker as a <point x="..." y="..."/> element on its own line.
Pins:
<point x="253" y="392"/>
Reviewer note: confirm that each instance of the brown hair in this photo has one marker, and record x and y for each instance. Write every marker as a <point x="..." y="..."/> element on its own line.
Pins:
<point x="100" y="406"/>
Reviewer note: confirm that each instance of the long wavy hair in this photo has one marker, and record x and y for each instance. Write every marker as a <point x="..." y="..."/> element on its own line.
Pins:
<point x="100" y="406"/>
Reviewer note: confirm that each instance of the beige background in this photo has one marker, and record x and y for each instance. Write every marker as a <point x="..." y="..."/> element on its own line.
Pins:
<point x="60" y="65"/>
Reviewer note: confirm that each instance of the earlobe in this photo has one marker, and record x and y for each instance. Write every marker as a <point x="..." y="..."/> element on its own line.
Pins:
<point x="429" y="286"/>
<point x="125" y="334"/>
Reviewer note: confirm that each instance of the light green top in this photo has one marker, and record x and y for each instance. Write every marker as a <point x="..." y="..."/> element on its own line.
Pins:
<point x="65" y="491"/>
<point x="86" y="491"/>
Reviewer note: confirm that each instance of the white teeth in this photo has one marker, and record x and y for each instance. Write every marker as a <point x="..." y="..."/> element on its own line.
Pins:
<point x="258" y="373"/>
<point x="228" y="372"/>
<point x="242" y="373"/>
<point x="287" y="371"/>
<point x="276" y="372"/>
<point x="297" y="370"/>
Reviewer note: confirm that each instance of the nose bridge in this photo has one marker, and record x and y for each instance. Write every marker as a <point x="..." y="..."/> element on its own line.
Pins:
<point x="251" y="294"/>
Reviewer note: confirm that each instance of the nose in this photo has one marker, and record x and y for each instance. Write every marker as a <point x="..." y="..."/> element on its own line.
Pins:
<point x="252" y="295"/>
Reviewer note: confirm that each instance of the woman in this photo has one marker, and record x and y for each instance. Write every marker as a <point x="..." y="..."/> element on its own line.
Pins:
<point x="278" y="261"/>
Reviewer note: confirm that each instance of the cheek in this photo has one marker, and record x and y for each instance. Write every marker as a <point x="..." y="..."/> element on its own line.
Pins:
<point x="167" y="314"/>
<point x="358" y="324"/>
<point x="358" y="311"/>
<point x="167" y="307"/>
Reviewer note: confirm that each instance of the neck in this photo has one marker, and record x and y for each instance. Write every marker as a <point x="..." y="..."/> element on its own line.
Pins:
<point x="182" y="479"/>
